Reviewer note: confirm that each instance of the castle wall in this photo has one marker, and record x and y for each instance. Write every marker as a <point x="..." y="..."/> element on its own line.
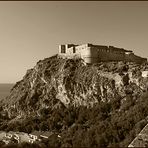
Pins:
<point x="106" y="54"/>
<point x="87" y="53"/>
<point x="95" y="53"/>
<point x="69" y="51"/>
<point x="60" y="48"/>
<point x="134" y="58"/>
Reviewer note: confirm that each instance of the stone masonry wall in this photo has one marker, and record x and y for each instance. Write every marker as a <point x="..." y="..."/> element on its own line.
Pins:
<point x="95" y="53"/>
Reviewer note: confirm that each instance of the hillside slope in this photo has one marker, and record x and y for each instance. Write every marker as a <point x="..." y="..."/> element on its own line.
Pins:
<point x="57" y="84"/>
<point x="70" y="82"/>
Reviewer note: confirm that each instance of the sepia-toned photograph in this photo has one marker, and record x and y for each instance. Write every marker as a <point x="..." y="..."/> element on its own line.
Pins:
<point x="73" y="74"/>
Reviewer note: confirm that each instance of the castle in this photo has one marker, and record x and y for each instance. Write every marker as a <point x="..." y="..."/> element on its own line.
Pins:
<point x="97" y="53"/>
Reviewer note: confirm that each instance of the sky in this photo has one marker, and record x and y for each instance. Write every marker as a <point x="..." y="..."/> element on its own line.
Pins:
<point x="32" y="30"/>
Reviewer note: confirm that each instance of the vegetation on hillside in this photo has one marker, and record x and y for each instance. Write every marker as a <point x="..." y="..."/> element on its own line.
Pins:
<point x="106" y="124"/>
<point x="114" y="119"/>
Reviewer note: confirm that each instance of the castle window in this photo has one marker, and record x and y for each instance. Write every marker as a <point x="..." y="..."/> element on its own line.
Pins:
<point x="74" y="50"/>
<point x="63" y="50"/>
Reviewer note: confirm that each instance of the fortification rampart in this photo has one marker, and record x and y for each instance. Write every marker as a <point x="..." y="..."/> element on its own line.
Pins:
<point x="96" y="53"/>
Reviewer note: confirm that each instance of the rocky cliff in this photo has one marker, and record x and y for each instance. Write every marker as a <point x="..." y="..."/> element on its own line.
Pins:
<point x="87" y="104"/>
<point x="70" y="82"/>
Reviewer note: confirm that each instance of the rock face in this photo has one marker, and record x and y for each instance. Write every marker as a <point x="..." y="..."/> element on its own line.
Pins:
<point x="55" y="82"/>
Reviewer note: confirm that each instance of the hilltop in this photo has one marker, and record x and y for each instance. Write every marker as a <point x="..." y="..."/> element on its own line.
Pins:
<point x="70" y="96"/>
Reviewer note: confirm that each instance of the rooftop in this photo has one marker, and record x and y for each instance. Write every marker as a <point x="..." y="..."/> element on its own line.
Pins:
<point x="47" y="133"/>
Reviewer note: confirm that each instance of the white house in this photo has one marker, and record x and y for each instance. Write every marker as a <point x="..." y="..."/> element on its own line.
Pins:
<point x="35" y="136"/>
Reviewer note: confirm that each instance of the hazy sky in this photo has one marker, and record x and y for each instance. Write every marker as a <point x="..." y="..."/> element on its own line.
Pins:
<point x="32" y="31"/>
